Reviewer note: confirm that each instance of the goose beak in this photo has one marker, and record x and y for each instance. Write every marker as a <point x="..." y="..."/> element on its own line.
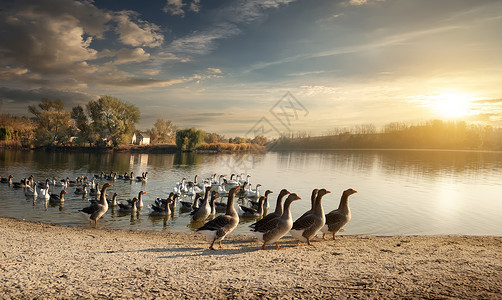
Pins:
<point x="327" y="192"/>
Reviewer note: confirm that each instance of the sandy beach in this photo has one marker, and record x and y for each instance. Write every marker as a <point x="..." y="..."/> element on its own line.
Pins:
<point x="43" y="261"/>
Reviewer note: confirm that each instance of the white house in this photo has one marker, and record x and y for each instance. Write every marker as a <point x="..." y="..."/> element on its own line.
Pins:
<point x="140" y="138"/>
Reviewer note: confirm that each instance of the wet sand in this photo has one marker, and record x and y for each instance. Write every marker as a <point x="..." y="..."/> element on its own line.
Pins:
<point x="42" y="261"/>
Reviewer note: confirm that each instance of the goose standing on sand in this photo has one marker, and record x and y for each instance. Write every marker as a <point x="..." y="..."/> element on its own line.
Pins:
<point x="55" y="198"/>
<point x="96" y="211"/>
<point x="337" y="218"/>
<point x="204" y="210"/>
<point x="272" y="231"/>
<point x="306" y="227"/>
<point x="218" y="228"/>
<point x="31" y="191"/>
<point x="276" y="214"/>
<point x="312" y="202"/>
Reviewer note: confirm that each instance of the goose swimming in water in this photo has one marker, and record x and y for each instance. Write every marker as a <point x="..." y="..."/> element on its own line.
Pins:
<point x="55" y="198"/>
<point x="338" y="218"/>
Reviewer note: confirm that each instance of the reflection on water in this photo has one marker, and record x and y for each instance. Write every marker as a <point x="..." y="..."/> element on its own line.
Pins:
<point x="399" y="192"/>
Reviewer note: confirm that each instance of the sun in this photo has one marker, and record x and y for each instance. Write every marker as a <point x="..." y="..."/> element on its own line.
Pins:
<point x="451" y="105"/>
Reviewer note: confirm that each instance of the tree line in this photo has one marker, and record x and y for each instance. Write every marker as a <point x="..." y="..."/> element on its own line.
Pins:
<point x="435" y="134"/>
<point x="104" y="122"/>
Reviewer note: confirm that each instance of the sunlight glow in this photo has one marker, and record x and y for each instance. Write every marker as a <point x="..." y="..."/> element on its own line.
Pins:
<point x="451" y="105"/>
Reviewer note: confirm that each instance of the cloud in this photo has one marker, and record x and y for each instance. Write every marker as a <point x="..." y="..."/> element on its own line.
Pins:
<point x="125" y="55"/>
<point x="175" y="7"/>
<point x="214" y="70"/>
<point x="50" y="43"/>
<point x="203" y="42"/>
<point x="25" y="97"/>
<point x="226" y="25"/>
<point x="136" y="32"/>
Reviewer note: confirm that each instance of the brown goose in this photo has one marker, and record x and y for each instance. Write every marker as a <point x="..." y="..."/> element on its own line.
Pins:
<point x="312" y="202"/>
<point x="266" y="205"/>
<point x="272" y="231"/>
<point x="276" y="214"/>
<point x="251" y="212"/>
<point x="216" y="229"/>
<point x="96" y="211"/>
<point x="306" y="227"/>
<point x="337" y="218"/>
<point x="200" y="214"/>
<point x="55" y="198"/>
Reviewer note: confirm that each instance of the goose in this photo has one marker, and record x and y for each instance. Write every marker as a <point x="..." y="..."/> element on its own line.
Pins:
<point x="233" y="182"/>
<point x="218" y="228"/>
<point x="241" y="192"/>
<point x="272" y="231"/>
<point x="96" y="211"/>
<point x="95" y="191"/>
<point x="129" y="206"/>
<point x="129" y="177"/>
<point x="161" y="210"/>
<point x="249" y="212"/>
<point x="266" y="205"/>
<point x="22" y="184"/>
<point x="139" y="204"/>
<point x="190" y="205"/>
<point x="276" y="214"/>
<point x="312" y="202"/>
<point x="250" y="193"/>
<point x="222" y="191"/>
<point x="6" y="180"/>
<point x="337" y="218"/>
<point x="62" y="183"/>
<point x="113" y="201"/>
<point x="201" y="214"/>
<point x="142" y="178"/>
<point x="214" y="196"/>
<point x="31" y="191"/>
<point x="57" y="198"/>
<point x="306" y="227"/>
<point x="242" y="181"/>
<point x="44" y="193"/>
<point x="82" y="190"/>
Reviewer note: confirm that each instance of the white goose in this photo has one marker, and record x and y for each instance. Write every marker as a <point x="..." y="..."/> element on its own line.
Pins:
<point x="250" y="193"/>
<point x="44" y="193"/>
<point x="31" y="191"/>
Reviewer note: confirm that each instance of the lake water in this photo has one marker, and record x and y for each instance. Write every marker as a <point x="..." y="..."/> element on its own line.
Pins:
<point x="399" y="192"/>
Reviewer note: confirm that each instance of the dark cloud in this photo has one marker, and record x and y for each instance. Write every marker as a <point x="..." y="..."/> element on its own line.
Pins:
<point x="25" y="97"/>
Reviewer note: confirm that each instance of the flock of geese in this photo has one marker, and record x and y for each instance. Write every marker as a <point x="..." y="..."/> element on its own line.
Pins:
<point x="268" y="228"/>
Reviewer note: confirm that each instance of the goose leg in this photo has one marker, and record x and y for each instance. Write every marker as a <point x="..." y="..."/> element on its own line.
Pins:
<point x="334" y="236"/>
<point x="324" y="236"/>
<point x="263" y="246"/>
<point x="221" y="247"/>
<point x="212" y="246"/>
<point x="298" y="242"/>
<point x="309" y="243"/>
<point x="277" y="246"/>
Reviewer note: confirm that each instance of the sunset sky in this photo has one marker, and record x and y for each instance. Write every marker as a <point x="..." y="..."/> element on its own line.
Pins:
<point x="226" y="66"/>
